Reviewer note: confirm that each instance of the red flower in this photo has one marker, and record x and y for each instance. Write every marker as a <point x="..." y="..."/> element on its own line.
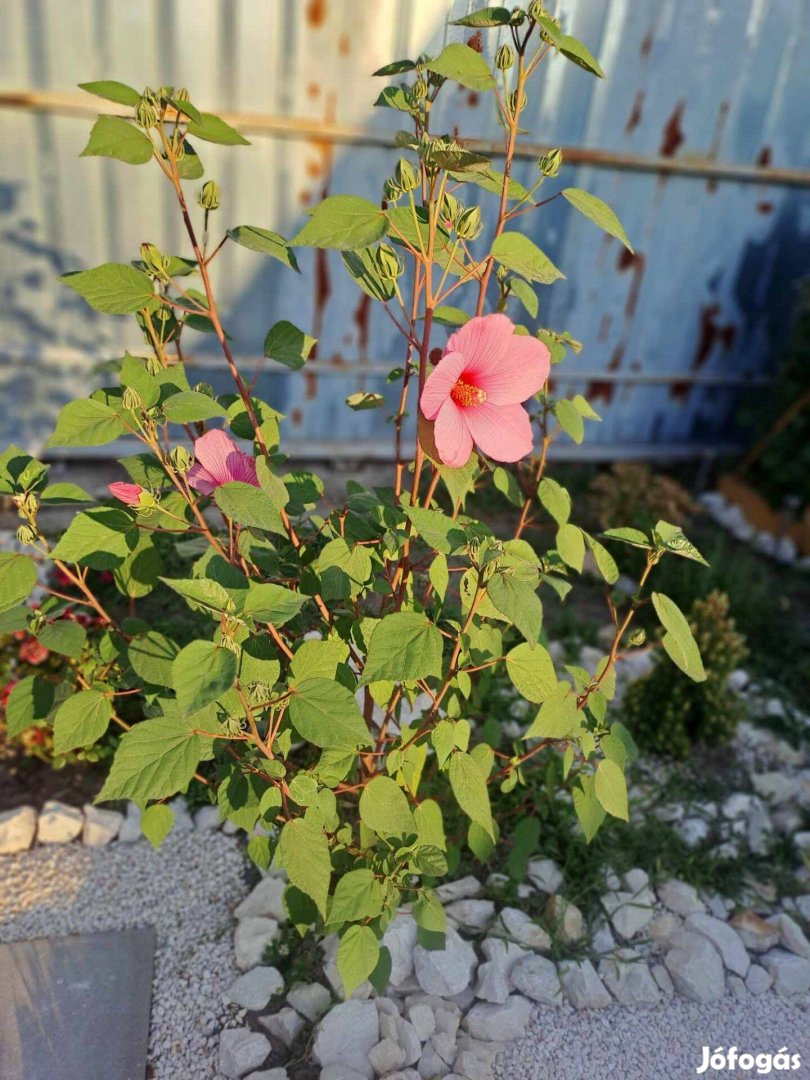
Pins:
<point x="6" y="691"/>
<point x="33" y="652"/>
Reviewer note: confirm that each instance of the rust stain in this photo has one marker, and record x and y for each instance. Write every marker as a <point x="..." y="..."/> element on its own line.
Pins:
<point x="313" y="90"/>
<point x="635" y="261"/>
<point x="712" y="333"/>
<point x="361" y="318"/>
<point x="672" y="136"/>
<point x="296" y="415"/>
<point x="618" y="356"/>
<point x="647" y="43"/>
<point x="476" y="41"/>
<point x="634" y="119"/>
<point x="604" y="327"/>
<point x="679" y="391"/>
<point x="313" y="168"/>
<point x="311" y="384"/>
<point x="305" y="198"/>
<point x="601" y="391"/>
<point x="472" y="99"/>
<point x="765" y="157"/>
<point x="765" y="207"/>
<point x="316" y="13"/>
<point x="344" y="45"/>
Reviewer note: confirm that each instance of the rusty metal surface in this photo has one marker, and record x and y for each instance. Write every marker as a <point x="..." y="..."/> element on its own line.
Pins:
<point x="698" y="137"/>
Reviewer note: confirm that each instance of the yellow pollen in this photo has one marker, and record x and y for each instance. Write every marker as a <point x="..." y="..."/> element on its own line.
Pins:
<point x="465" y="394"/>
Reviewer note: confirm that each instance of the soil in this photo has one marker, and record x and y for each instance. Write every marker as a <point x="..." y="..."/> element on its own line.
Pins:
<point x="29" y="781"/>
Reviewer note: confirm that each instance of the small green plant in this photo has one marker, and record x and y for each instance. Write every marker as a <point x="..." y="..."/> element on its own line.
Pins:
<point x="631" y="491"/>
<point x="669" y="716"/>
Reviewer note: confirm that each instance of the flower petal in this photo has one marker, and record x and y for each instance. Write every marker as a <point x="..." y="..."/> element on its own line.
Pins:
<point x="453" y="440"/>
<point x="518" y="374"/>
<point x="201" y="479"/>
<point x="440" y="382"/>
<point x="243" y="467"/>
<point x="483" y="342"/>
<point x="502" y="432"/>
<point x="212" y="451"/>
<point x="126" y="493"/>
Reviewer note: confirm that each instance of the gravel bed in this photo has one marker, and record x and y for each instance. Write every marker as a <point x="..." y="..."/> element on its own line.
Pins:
<point x="186" y="890"/>
<point x="660" y="1043"/>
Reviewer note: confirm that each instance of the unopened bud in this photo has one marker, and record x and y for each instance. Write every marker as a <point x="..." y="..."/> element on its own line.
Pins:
<point x="501" y="273"/>
<point x="504" y="58"/>
<point x="150" y="97"/>
<point x="204" y="388"/>
<point x="516" y="103"/>
<point x="555" y="22"/>
<point x="26" y="535"/>
<point x="131" y="399"/>
<point x="517" y="17"/>
<point x="153" y="365"/>
<point x="146" y="114"/>
<point x="469" y="224"/>
<point x="537" y="10"/>
<point x="27" y="504"/>
<point x="179" y="150"/>
<point x="637" y="638"/>
<point x="209" y="195"/>
<point x="181" y="459"/>
<point x="165" y="92"/>
<point x="420" y="89"/>
<point x="181" y="94"/>
<point x="391" y="191"/>
<point x="451" y="207"/>
<point x="389" y="264"/>
<point x="156" y="263"/>
<point x="549" y="164"/>
<point x="404" y="175"/>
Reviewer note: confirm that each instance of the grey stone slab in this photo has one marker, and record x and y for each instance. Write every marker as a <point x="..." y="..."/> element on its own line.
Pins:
<point x="76" y="1008"/>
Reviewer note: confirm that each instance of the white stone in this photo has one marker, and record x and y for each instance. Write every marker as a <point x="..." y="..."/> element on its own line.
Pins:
<point x="663" y="979"/>
<point x="400" y="940"/>
<point x="545" y="875"/>
<point x="738" y="805"/>
<point x="565" y="917"/>
<point x="386" y="1056"/>
<point x="522" y="929"/>
<point x="790" y="973"/>
<point x="791" y="936"/>
<point x="725" y="939"/>
<point x="423" y="1020"/>
<point x="266" y="899"/>
<point x="696" y="968"/>
<point x="430" y="1065"/>
<point x="635" y="880"/>
<point x="693" y="831"/>
<point x="629" y="979"/>
<point x="757" y="981"/>
<point x="17" y="829"/>
<point x="130" y="830"/>
<point x="59" y="823"/>
<point x="284" y="1026"/>
<point x="719" y="906"/>
<point x="492" y="1023"/>
<point x="802" y="841"/>
<point x="241" y="1051"/>
<point x="475" y="915"/>
<point x="310" y="999"/>
<point x="757" y="935"/>
<point x="485" y="1050"/>
<point x="663" y="929"/>
<point x="759" y="829"/>
<point x="182" y="818"/>
<point x="100" y="826"/>
<point x="493" y="974"/>
<point x="346" y="1035"/>
<point x="800" y="905"/>
<point x="269" y="1074"/>
<point x="582" y="986"/>
<point x="254" y="989"/>
<point x="445" y="971"/>
<point x="465" y="888"/>
<point x="680" y="898"/>
<point x="629" y="912"/>
<point x="776" y="787"/>
<point x="251" y="939"/>
<point x="342" y="1072"/>
<point x="207" y="819"/>
<point x="537" y="978"/>
<point x="739" y="679"/>
<point x="408" y="1039"/>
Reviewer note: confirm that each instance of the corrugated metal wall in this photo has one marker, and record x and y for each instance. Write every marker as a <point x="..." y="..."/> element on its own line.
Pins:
<point x="669" y="333"/>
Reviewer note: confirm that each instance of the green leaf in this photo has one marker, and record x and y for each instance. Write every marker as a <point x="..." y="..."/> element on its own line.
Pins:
<point x="362" y="266"/>
<point x="138" y="574"/>
<point x="531" y="671"/>
<point x="114" y="137"/>
<point x="515" y="598"/>
<point x="113" y="90"/>
<point x="156" y="823"/>
<point x="18" y="576"/>
<point x="524" y="844"/>
<point x="610" y="788"/>
<point x="672" y="538"/>
<point x="265" y="242"/>
<point x="397" y="67"/>
<point x="343" y="570"/>
<point x="289" y="345"/>
<point x="190" y="167"/>
<point x="151" y="656"/>
<point x="588" y="808"/>
<point x="523" y="292"/>
<point x="358" y="895"/>
<point x="384" y="808"/>
<point x="507" y="484"/>
<point x="81" y="720"/>
<point x="488" y="16"/>
<point x="344" y="222"/>
<point x="439" y="575"/>
<point x="189" y="407"/>
<point x="580" y="54"/>
<point x="558" y="715"/>
<point x="64" y="636"/>
<point x="365" y="399"/>
<point x="437" y="529"/>
<point x="470" y="789"/>
<point x="517" y="252"/>
<point x="584" y="408"/>
<point x="202" y="594"/>
<point x="214" y="130"/>
<point x="463" y="65"/>
<point x="272" y="603"/>
<point x="605" y="562"/>
<point x="428" y="913"/>
<point x="448" y="315"/>
<point x="678" y="641"/>
<point x="86" y="423"/>
<point x="404" y="646"/>
<point x="318" y="659"/>
<point x="325" y="713"/>
<point x="303" y="851"/>
<point x="427" y="818"/>
<point x="357" y="956"/>
<point x="598" y="212"/>
<point x="67" y="493"/>
<point x="100" y="539"/>
<point x="570" y="420"/>
<point x="430" y="861"/>
<point x="555" y="499"/>
<point x="202" y="672"/>
<point x="571" y="546"/>
<point x="633" y="537"/>
<point x="248" y="505"/>
<point x="157" y="758"/>
<point x="114" y="288"/>
<point x="30" y="701"/>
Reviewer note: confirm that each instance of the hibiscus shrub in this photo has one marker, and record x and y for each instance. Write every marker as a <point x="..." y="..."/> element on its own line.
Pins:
<point x="326" y="697"/>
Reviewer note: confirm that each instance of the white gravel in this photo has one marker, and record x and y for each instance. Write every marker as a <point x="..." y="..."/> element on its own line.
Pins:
<point x="186" y="890"/>
<point x="659" y="1043"/>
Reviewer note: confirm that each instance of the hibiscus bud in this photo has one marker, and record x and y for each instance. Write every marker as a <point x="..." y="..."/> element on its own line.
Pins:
<point x="390" y="191"/>
<point x="27" y="504"/>
<point x="505" y="58"/>
<point x="146" y="114"/>
<point x="451" y="207"/>
<point x="181" y="94"/>
<point x="517" y="17"/>
<point x="389" y="263"/>
<point x="153" y="365"/>
<point x="26" y="535"/>
<point x="516" y="103"/>
<point x="637" y="638"/>
<point x="164" y="93"/>
<point x="420" y="89"/>
<point x="181" y="459"/>
<point x="156" y="263"/>
<point x="204" y="388"/>
<point x="469" y="224"/>
<point x="208" y="198"/>
<point x="179" y="151"/>
<point x="404" y="175"/>
<point x="131" y="399"/>
<point x="549" y="164"/>
<point x="537" y="10"/>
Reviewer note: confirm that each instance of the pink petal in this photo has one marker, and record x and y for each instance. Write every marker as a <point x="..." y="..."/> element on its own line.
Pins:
<point x="483" y="342"/>
<point x="502" y="432"/>
<point x="440" y="382"/>
<point x="212" y="451"/>
<point x="243" y="468"/>
<point x="453" y="440"/>
<point x="519" y="374"/>
<point x="201" y="479"/>
<point x="126" y="493"/>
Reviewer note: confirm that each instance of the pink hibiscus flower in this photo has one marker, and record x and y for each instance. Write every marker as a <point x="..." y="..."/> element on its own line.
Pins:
<point x="220" y="461"/>
<point x="475" y="392"/>
<point x="126" y="493"/>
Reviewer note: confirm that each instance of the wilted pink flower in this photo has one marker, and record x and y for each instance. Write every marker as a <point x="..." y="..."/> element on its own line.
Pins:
<point x="475" y="392"/>
<point x="126" y="493"/>
<point x="220" y="461"/>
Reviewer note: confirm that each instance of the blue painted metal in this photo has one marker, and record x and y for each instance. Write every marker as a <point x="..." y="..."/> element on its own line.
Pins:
<point x="708" y="292"/>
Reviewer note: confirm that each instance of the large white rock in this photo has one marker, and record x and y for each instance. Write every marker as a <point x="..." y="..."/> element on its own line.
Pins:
<point x="130" y="830"/>
<point x="17" y="829"/>
<point x="100" y="826"/>
<point x="790" y="973"/>
<point x="254" y="989"/>
<point x="207" y="819"/>
<point x="739" y="805"/>
<point x="59" y="823"/>
<point x="423" y="1020"/>
<point x="499" y="1022"/>
<point x="791" y="936"/>
<point x="493" y="974"/>
<point x="310" y="999"/>
<point x="345" y="1036"/>
<point x="629" y="979"/>
<point x="663" y="980"/>
<point x="464" y="889"/>
<point x="582" y="986"/>
<point x="400" y="940"/>
<point x="757" y="935"/>
<point x="251" y="939"/>
<point x="629" y="912"/>
<point x="241" y="1051"/>
<point x="266" y="900"/>
<point x="565" y="917"/>
<point x="696" y="968"/>
<point x="664" y="929"/>
<point x="545" y="875"/>
<point x="757" y="981"/>
<point x="693" y="831"/>
<point x="725" y="939"/>
<point x="473" y="915"/>
<point x="269" y="1074"/>
<point x="680" y="898"/>
<point x="386" y="1056"/>
<point x="284" y="1026"/>
<point x="635" y="880"/>
<point x="776" y="787"/>
<point x="537" y="978"/>
<point x="519" y="927"/>
<point x="446" y="971"/>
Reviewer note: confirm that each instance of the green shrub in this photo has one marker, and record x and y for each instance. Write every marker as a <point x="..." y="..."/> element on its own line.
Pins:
<point x="631" y="491"/>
